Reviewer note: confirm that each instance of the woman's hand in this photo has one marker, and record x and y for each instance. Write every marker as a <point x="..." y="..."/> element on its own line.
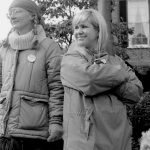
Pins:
<point x="55" y="132"/>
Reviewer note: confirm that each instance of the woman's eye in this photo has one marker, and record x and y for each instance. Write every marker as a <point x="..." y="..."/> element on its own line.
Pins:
<point x="83" y="26"/>
<point x="76" y="27"/>
<point x="18" y="11"/>
<point x="14" y="12"/>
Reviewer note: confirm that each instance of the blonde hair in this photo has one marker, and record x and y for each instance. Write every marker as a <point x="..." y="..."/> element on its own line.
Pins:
<point x="98" y="22"/>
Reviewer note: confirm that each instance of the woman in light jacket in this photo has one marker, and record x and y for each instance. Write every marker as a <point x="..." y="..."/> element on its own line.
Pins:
<point x="31" y="98"/>
<point x="98" y="87"/>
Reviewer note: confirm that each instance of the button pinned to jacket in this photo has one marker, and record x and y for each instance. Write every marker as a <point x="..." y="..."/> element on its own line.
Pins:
<point x="31" y="58"/>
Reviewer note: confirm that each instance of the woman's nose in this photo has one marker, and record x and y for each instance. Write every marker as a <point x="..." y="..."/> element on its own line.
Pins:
<point x="80" y="30"/>
<point x="11" y="18"/>
<point x="11" y="15"/>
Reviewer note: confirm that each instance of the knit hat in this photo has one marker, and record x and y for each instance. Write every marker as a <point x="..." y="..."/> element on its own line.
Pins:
<point x="28" y="5"/>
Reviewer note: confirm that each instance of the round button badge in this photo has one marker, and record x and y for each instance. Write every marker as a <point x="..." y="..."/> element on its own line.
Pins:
<point x="31" y="58"/>
<point x="103" y="61"/>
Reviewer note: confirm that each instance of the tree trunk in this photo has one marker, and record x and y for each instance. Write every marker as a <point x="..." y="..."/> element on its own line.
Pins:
<point x="104" y="6"/>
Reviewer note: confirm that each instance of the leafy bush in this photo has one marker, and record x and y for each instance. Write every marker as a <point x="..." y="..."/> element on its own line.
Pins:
<point x="140" y="118"/>
<point x="120" y="33"/>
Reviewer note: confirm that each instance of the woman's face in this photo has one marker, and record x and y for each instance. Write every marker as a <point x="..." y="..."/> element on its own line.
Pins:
<point x="86" y="35"/>
<point x="20" y="18"/>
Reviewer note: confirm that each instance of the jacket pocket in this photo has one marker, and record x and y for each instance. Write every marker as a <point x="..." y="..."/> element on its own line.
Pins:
<point x="33" y="113"/>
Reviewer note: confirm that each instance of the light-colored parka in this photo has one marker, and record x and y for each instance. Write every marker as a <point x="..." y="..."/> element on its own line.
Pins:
<point x="31" y="97"/>
<point x="96" y="94"/>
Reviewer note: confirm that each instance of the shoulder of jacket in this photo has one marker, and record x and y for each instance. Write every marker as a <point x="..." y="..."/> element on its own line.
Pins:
<point x="46" y="42"/>
<point x="51" y="47"/>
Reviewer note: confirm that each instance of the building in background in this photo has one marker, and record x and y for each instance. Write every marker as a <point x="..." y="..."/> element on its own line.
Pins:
<point x="137" y="15"/>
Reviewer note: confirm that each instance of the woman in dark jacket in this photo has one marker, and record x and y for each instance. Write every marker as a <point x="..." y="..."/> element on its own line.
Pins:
<point x="31" y="98"/>
<point x="98" y="87"/>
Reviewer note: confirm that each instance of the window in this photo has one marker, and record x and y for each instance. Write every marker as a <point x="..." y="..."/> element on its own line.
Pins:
<point x="123" y="11"/>
<point x="138" y="17"/>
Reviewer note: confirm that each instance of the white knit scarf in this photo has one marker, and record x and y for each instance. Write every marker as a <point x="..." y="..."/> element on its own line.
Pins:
<point x="22" y="42"/>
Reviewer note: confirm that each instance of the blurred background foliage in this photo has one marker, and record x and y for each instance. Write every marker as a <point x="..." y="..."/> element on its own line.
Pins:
<point x="58" y="17"/>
